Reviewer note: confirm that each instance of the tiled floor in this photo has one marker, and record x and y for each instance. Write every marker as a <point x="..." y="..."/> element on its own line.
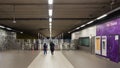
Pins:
<point x="51" y="61"/>
<point x="81" y="59"/>
<point x="17" y="59"/>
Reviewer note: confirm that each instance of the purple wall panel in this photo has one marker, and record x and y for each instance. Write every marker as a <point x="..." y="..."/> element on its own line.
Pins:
<point x="110" y="29"/>
<point x="112" y="49"/>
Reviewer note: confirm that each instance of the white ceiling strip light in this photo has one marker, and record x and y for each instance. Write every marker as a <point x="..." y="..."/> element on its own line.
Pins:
<point x="90" y="22"/>
<point x="50" y="27"/>
<point x="50" y="13"/>
<point x="50" y="20"/>
<point x="78" y="28"/>
<point x="2" y="26"/>
<point x="50" y="24"/>
<point x="50" y="2"/>
<point x="8" y="28"/>
<point x="102" y="16"/>
<point x="82" y="26"/>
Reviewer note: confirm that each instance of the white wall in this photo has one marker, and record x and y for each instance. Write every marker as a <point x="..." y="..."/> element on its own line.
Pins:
<point x="74" y="36"/>
<point x="91" y="31"/>
<point x="88" y="32"/>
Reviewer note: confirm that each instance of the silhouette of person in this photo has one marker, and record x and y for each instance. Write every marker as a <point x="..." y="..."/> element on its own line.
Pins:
<point x="45" y="48"/>
<point x="52" y="47"/>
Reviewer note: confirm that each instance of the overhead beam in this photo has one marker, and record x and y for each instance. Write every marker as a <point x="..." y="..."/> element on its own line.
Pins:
<point x="46" y="18"/>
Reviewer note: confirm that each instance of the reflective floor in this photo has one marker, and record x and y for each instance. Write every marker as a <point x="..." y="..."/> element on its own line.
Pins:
<point x="61" y="59"/>
<point x="82" y="59"/>
<point x="17" y="59"/>
<point x="57" y="60"/>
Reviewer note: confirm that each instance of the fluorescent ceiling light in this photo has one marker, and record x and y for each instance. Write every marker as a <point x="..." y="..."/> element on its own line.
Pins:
<point x="50" y="24"/>
<point x="102" y="16"/>
<point x="50" y="1"/>
<point x="90" y="22"/>
<point x="78" y="28"/>
<point x="8" y="28"/>
<point x="50" y="12"/>
<point x="50" y="20"/>
<point x="50" y="27"/>
<point x="82" y="26"/>
<point x="50" y="30"/>
<point x="2" y="26"/>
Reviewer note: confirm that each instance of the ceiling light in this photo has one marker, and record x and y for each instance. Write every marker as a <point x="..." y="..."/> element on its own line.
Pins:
<point x="8" y="28"/>
<point x="50" y="1"/>
<point x="90" y="22"/>
<point x="50" y="27"/>
<point x="50" y="12"/>
<point x="50" y="30"/>
<point x="102" y="16"/>
<point x="50" y="20"/>
<point x="78" y="28"/>
<point x="68" y="32"/>
<point x="2" y="26"/>
<point x="50" y="24"/>
<point x="82" y="26"/>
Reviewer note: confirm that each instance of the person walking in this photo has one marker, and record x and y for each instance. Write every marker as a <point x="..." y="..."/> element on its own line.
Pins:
<point x="45" y="48"/>
<point x="52" y="47"/>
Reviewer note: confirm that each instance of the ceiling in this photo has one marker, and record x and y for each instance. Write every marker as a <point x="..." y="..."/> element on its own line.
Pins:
<point x="32" y="15"/>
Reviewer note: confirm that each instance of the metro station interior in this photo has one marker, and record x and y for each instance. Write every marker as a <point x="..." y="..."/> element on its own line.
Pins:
<point x="85" y="33"/>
